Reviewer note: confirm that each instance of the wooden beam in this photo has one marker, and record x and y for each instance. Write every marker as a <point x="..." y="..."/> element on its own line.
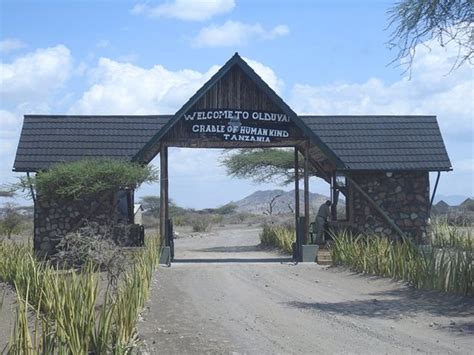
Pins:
<point x="297" y="187"/>
<point x="306" y="192"/>
<point x="167" y="215"/>
<point x="334" y="198"/>
<point x="163" y="192"/>
<point x="434" y="190"/>
<point x="376" y="207"/>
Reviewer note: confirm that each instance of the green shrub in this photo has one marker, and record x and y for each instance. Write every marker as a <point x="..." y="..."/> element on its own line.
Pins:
<point x="201" y="223"/>
<point x="445" y="269"/>
<point x="446" y="235"/>
<point x="11" y="222"/>
<point x="84" y="178"/>
<point x="281" y="237"/>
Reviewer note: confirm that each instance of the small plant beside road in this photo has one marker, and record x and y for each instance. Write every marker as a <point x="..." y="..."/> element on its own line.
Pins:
<point x="281" y="237"/>
<point x="431" y="266"/>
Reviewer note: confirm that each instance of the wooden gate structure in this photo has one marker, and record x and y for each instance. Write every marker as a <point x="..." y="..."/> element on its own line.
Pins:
<point x="380" y="163"/>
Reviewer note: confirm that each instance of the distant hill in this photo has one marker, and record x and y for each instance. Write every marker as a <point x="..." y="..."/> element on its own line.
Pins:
<point x="452" y="200"/>
<point x="440" y="208"/>
<point x="468" y="205"/>
<point x="259" y="202"/>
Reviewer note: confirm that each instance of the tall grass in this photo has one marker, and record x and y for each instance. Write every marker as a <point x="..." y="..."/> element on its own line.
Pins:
<point x="449" y="270"/>
<point x="446" y="235"/>
<point x="281" y="237"/>
<point x="67" y="316"/>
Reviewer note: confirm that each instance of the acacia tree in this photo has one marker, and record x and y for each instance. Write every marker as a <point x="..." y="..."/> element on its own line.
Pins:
<point x="88" y="178"/>
<point x="10" y="220"/>
<point x="418" y="21"/>
<point x="151" y="204"/>
<point x="262" y="165"/>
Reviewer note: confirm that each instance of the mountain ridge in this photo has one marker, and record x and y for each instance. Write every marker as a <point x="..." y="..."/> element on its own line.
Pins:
<point x="276" y="202"/>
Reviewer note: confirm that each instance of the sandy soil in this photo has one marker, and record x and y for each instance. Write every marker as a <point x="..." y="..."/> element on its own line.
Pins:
<point x="7" y="314"/>
<point x="224" y="294"/>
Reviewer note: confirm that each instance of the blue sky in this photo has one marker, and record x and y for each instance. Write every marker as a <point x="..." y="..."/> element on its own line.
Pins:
<point x="323" y="57"/>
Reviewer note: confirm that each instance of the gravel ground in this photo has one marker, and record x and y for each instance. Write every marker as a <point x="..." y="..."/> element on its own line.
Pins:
<point x="225" y="295"/>
<point x="7" y="314"/>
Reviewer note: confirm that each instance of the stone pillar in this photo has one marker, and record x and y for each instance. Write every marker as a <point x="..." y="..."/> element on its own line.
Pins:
<point x="404" y="196"/>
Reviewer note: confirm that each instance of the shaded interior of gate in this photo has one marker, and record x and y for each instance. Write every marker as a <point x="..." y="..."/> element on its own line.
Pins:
<point x="380" y="163"/>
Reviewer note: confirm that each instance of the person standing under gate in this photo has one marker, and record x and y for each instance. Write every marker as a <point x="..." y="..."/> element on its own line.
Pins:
<point x="321" y="219"/>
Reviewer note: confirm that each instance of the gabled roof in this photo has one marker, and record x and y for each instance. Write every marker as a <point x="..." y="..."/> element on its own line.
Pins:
<point x="236" y="60"/>
<point x="47" y="140"/>
<point x="383" y="142"/>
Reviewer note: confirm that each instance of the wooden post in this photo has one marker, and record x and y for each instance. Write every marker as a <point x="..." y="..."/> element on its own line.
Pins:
<point x="299" y="234"/>
<point x="334" y="197"/>
<point x="306" y="192"/>
<point x="163" y="192"/>
<point x="297" y="187"/>
<point x="167" y="215"/>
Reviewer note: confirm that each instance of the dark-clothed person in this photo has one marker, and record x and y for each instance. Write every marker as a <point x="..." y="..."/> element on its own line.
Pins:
<point x="321" y="219"/>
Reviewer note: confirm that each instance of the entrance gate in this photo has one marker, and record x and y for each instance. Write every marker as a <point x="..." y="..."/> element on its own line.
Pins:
<point x="380" y="163"/>
<point x="236" y="109"/>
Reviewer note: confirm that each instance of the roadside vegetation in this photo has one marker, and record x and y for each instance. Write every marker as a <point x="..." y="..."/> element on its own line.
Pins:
<point x="446" y="264"/>
<point x="61" y="311"/>
<point x="86" y="298"/>
<point x="281" y="237"/>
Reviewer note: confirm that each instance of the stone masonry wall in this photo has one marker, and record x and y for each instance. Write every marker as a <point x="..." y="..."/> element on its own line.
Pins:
<point x="54" y="219"/>
<point x="404" y="196"/>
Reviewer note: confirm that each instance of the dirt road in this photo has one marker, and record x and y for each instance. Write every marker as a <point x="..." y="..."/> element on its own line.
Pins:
<point x="226" y="295"/>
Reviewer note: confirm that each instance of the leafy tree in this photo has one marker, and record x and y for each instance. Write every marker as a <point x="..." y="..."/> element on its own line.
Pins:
<point x="151" y="205"/>
<point x="262" y="165"/>
<point x="10" y="220"/>
<point x="85" y="178"/>
<point x="417" y="21"/>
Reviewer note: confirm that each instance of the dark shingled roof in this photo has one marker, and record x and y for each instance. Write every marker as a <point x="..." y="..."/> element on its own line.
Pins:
<point x="360" y="142"/>
<point x="46" y="140"/>
<point x="383" y="142"/>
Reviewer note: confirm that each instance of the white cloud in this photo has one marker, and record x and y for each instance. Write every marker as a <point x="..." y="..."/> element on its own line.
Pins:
<point x="432" y="90"/>
<point x="267" y="74"/>
<point x="188" y="10"/>
<point x="234" y="33"/>
<point x="10" y="125"/>
<point x="10" y="45"/>
<point x="31" y="78"/>
<point x="124" y="88"/>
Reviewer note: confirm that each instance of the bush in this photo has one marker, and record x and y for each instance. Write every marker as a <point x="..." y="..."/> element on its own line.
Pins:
<point x="446" y="235"/>
<point x="281" y="237"/>
<point x="11" y="221"/>
<point x="201" y="223"/>
<point x="92" y="244"/>
<point x="444" y="269"/>
<point x="84" y="178"/>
